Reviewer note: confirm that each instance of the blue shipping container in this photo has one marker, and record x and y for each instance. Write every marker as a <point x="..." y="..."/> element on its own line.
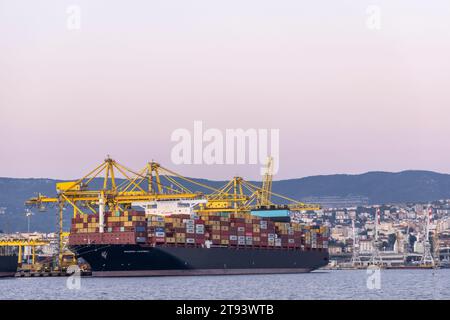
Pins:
<point x="271" y="213"/>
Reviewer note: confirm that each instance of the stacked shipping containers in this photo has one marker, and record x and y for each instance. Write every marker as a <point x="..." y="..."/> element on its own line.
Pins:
<point x="127" y="227"/>
<point x="127" y="221"/>
<point x="233" y="230"/>
<point x="224" y="229"/>
<point x="175" y="229"/>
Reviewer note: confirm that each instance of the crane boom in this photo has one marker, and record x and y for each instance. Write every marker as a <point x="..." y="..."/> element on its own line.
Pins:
<point x="267" y="183"/>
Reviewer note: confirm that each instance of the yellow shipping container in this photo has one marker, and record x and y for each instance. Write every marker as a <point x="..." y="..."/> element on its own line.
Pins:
<point x="224" y="241"/>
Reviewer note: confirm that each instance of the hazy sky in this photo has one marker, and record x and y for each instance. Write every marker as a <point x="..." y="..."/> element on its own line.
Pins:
<point x="346" y="98"/>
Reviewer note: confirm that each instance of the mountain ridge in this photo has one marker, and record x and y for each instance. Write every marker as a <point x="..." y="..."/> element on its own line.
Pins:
<point x="376" y="187"/>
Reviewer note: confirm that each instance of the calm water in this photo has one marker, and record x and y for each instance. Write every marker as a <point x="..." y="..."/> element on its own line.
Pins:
<point x="394" y="284"/>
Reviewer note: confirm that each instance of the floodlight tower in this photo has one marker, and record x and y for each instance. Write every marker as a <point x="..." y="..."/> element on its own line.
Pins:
<point x="427" y="258"/>
<point x="356" y="261"/>
<point x="376" y="259"/>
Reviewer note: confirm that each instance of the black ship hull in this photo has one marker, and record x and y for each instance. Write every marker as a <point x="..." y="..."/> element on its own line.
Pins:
<point x="8" y="266"/>
<point x="141" y="260"/>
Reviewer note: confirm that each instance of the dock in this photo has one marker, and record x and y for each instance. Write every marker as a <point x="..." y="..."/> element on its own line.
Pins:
<point x="35" y="274"/>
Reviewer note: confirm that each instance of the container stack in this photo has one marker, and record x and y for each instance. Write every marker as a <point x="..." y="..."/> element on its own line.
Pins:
<point x="234" y="230"/>
<point x="175" y="229"/>
<point x="220" y="229"/>
<point x="127" y="221"/>
<point x="85" y="224"/>
<point x="288" y="235"/>
<point x="128" y="227"/>
<point x="315" y="237"/>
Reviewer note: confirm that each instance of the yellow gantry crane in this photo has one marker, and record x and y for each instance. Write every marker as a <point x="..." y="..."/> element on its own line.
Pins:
<point x="21" y="243"/>
<point x="108" y="193"/>
<point x="100" y="190"/>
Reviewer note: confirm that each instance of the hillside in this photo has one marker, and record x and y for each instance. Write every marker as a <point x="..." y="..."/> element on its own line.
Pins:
<point x="375" y="187"/>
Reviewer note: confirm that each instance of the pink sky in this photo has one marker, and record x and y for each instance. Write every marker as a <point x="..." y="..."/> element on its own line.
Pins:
<point x="346" y="99"/>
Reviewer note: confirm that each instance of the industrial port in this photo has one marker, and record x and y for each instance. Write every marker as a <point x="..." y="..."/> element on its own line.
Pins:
<point x="184" y="225"/>
<point x="237" y="229"/>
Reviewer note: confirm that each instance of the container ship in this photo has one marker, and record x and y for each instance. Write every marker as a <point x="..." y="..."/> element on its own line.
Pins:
<point x="143" y="243"/>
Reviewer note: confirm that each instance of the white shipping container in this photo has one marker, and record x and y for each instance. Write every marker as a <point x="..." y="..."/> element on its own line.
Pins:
<point x="190" y="240"/>
<point x="160" y="234"/>
<point x="199" y="231"/>
<point x="233" y="237"/>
